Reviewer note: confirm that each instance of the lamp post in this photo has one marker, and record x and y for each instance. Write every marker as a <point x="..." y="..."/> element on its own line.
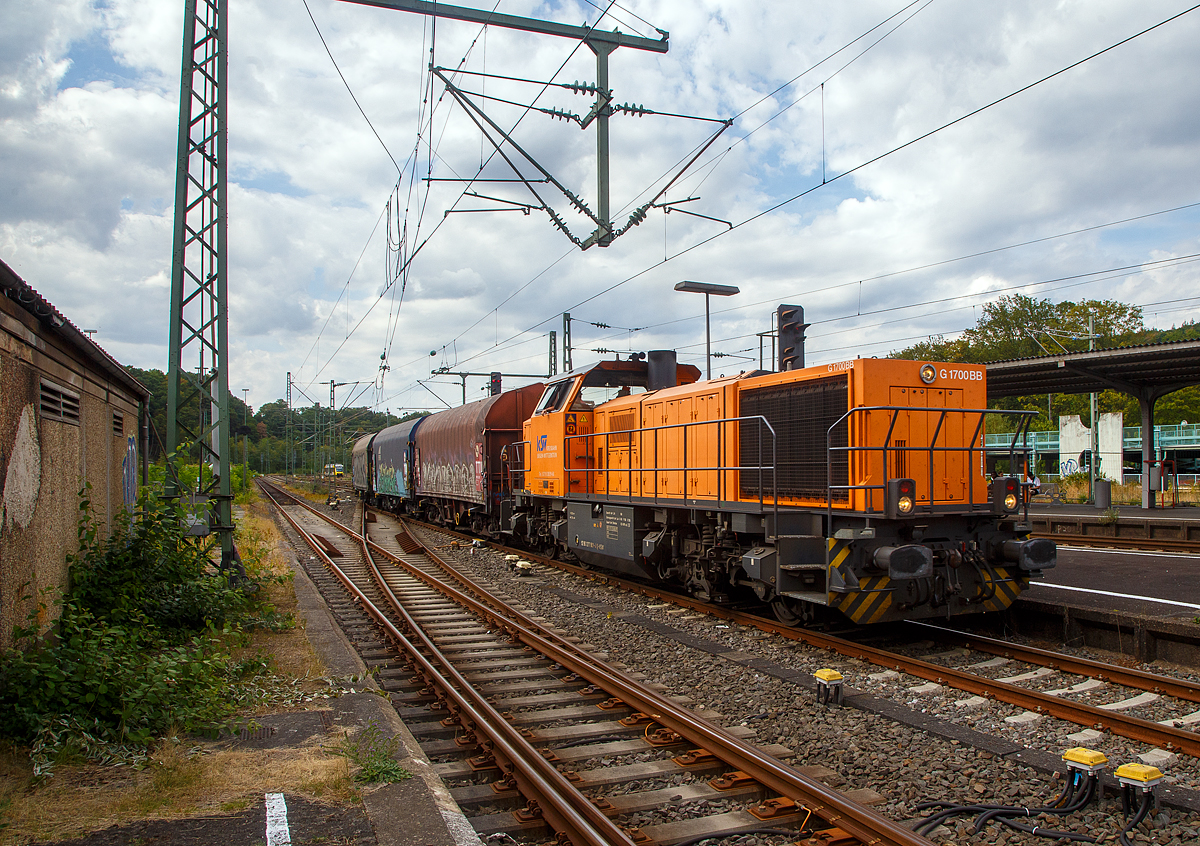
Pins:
<point x="246" y="423"/>
<point x="707" y="288"/>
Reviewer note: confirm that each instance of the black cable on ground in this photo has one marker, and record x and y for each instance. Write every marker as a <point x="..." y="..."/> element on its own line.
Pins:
<point x="1078" y="804"/>
<point x="1143" y="809"/>
<point x="1071" y="794"/>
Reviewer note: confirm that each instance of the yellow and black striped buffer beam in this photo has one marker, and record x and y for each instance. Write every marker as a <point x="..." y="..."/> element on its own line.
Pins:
<point x="873" y="598"/>
<point x="1008" y="588"/>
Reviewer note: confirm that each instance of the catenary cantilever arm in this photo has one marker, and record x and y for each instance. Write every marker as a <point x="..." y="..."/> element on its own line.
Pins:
<point x="483" y="16"/>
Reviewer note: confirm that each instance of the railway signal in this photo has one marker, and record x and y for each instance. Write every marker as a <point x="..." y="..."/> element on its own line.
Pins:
<point x="791" y="337"/>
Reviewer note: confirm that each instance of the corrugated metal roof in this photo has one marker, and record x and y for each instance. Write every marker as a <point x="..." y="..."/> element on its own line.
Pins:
<point x="24" y="295"/>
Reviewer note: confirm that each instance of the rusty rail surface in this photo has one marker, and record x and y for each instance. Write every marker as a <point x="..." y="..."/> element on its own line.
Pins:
<point x="565" y="810"/>
<point x="1133" y="728"/>
<point x="1124" y="676"/>
<point x="864" y="824"/>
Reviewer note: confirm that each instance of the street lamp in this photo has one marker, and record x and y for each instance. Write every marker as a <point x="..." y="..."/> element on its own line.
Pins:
<point x="707" y="288"/>
<point x="246" y="424"/>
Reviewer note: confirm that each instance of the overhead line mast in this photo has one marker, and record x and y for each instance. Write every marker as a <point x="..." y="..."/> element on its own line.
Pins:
<point x="598" y="41"/>
<point x="199" y="322"/>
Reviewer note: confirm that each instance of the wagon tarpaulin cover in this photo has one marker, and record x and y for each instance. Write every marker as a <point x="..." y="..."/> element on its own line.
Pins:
<point x="391" y="453"/>
<point x="458" y="450"/>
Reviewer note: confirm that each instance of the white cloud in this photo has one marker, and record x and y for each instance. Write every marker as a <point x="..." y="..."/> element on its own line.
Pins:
<point x="88" y="184"/>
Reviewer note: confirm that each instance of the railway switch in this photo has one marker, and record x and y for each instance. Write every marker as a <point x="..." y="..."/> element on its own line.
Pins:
<point x="829" y="686"/>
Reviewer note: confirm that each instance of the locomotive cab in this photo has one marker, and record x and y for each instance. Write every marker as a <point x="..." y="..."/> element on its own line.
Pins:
<point x="557" y="461"/>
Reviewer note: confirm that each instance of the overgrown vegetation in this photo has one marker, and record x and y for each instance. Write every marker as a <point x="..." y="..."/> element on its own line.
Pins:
<point x="374" y="755"/>
<point x="143" y="645"/>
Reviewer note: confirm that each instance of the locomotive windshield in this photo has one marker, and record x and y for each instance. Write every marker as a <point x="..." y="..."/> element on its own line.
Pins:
<point x="555" y="396"/>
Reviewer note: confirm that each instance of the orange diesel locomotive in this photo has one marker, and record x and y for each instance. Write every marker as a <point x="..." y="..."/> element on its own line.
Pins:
<point x="858" y="486"/>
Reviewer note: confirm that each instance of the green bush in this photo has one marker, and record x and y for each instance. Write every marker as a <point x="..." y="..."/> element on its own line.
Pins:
<point x="149" y="567"/>
<point x="139" y="647"/>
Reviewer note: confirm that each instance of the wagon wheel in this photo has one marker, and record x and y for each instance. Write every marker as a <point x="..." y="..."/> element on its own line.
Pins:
<point x="792" y="612"/>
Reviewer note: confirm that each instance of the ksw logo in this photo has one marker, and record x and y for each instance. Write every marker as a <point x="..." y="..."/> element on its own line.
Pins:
<point x="541" y="443"/>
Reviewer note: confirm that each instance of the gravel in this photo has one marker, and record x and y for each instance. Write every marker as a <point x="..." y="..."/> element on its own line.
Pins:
<point x="904" y="765"/>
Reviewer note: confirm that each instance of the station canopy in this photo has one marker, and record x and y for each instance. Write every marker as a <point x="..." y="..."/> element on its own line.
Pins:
<point x="1152" y="369"/>
<point x="1145" y="372"/>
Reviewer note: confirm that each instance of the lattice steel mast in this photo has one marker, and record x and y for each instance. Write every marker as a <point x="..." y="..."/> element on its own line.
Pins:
<point x="199" y="327"/>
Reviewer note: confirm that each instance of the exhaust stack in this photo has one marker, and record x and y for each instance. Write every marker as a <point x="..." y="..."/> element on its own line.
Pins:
<point x="661" y="370"/>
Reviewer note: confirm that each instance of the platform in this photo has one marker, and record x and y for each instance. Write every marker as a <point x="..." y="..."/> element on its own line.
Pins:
<point x="1180" y="525"/>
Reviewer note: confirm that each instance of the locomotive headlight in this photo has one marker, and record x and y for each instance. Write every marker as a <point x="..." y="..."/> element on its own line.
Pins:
<point x="928" y="374"/>
<point x="901" y="498"/>
<point x="1006" y="494"/>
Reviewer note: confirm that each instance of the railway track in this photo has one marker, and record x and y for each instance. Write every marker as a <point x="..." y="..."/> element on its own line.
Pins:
<point x="1065" y="699"/>
<point x="1148" y="544"/>
<point x="525" y="726"/>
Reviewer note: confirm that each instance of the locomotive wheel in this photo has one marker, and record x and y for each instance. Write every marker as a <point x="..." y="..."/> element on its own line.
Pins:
<point x="792" y="612"/>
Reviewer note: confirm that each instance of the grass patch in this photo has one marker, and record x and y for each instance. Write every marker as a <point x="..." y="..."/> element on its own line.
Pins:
<point x="374" y="755"/>
<point x="183" y="779"/>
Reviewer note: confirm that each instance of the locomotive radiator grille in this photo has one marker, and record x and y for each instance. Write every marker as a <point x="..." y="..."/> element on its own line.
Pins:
<point x="620" y="424"/>
<point x="801" y="415"/>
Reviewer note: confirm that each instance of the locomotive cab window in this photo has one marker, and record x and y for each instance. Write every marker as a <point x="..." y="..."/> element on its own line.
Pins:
<point x="555" y="397"/>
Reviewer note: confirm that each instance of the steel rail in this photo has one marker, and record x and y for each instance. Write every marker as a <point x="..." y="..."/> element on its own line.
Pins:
<point x="1133" y="728"/>
<point x="565" y="810"/>
<point x="1102" y="542"/>
<point x="863" y="823"/>
<point x="1138" y="679"/>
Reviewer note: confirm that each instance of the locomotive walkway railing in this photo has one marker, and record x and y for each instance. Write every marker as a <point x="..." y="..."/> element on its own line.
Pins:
<point x="766" y="490"/>
<point x="888" y="447"/>
<point x="688" y="471"/>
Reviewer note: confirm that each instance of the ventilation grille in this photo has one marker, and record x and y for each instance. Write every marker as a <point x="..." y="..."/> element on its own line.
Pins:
<point x="118" y="424"/>
<point x="899" y="460"/>
<point x="801" y="414"/>
<point x="620" y="425"/>
<point x="59" y="404"/>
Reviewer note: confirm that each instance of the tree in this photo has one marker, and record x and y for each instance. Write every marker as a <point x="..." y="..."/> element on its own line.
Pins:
<point x="1023" y="327"/>
<point x="1018" y="326"/>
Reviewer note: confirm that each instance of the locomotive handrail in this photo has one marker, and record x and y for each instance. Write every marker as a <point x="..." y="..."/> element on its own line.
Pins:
<point x="513" y="469"/>
<point x="931" y="449"/>
<point x="720" y="469"/>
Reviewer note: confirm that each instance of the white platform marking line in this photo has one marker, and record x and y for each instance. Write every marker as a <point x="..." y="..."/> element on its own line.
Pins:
<point x="1120" y="595"/>
<point x="277" y="824"/>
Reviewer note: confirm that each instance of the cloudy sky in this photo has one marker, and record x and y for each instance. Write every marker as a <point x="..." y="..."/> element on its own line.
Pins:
<point x="1082" y="186"/>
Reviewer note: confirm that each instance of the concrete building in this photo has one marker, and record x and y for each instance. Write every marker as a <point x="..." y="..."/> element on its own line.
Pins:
<point x="69" y="415"/>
